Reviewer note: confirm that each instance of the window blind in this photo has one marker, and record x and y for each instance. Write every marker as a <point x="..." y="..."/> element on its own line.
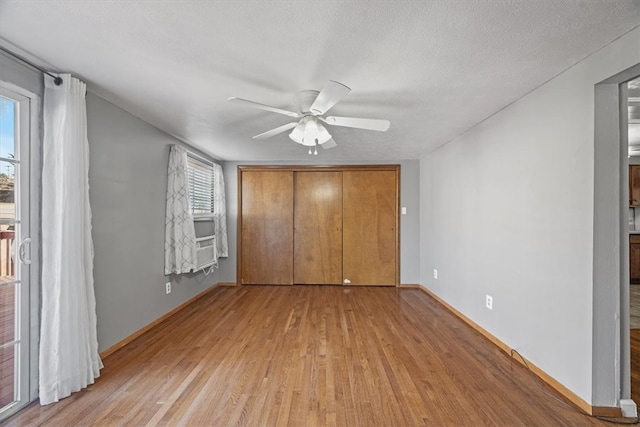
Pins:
<point x="200" y="186"/>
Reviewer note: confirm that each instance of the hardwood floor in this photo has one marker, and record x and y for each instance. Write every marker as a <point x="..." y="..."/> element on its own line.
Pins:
<point x="635" y="365"/>
<point x="305" y="356"/>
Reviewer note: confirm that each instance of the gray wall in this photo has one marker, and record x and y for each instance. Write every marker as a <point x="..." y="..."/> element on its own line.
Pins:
<point x="128" y="179"/>
<point x="507" y="209"/>
<point x="409" y="223"/>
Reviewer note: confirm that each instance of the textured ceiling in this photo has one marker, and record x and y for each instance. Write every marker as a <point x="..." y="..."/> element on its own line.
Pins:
<point x="433" y="68"/>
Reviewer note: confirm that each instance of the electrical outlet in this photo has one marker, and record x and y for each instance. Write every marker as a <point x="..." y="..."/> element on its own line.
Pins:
<point x="167" y="288"/>
<point x="489" y="302"/>
<point x="435" y="273"/>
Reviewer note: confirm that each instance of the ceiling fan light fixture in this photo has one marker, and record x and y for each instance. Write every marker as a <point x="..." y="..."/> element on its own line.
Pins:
<point x="298" y="132"/>
<point x="323" y="134"/>
<point x="311" y="132"/>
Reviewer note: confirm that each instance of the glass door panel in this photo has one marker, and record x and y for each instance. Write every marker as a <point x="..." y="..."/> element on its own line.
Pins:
<point x="7" y="220"/>
<point x="7" y="376"/>
<point x="14" y="290"/>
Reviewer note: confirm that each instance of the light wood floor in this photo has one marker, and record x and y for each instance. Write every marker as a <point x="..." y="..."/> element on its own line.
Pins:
<point x="305" y="356"/>
<point x="635" y="366"/>
<point x="635" y="342"/>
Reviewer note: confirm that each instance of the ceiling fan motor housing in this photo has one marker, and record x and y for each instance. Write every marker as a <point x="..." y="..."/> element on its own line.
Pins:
<point x="305" y="99"/>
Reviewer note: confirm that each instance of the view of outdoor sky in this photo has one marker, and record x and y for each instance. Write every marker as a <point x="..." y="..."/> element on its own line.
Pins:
<point x="7" y="169"/>
<point x="6" y="127"/>
<point x="7" y="141"/>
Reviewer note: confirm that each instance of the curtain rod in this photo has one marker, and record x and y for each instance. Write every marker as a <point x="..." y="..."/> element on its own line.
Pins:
<point x="56" y="79"/>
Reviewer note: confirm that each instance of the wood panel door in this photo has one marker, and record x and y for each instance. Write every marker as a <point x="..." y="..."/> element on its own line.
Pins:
<point x="370" y="216"/>
<point x="267" y="227"/>
<point x="318" y="228"/>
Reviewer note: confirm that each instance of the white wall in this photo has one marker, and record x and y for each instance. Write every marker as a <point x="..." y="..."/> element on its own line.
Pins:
<point x="507" y="210"/>
<point x="409" y="223"/>
<point x="128" y="179"/>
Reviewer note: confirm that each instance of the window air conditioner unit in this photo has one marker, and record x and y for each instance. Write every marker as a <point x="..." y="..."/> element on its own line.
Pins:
<point x="206" y="254"/>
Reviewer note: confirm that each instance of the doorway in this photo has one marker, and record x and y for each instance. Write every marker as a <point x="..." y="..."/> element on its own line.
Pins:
<point x="633" y="138"/>
<point x="611" y="365"/>
<point x="16" y="373"/>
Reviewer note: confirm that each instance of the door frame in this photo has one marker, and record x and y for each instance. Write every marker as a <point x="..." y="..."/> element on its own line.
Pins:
<point x="29" y="188"/>
<point x="611" y="367"/>
<point x="317" y="168"/>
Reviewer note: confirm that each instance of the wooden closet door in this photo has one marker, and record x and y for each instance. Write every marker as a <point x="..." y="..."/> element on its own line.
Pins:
<point x="267" y="228"/>
<point x="318" y="228"/>
<point x="370" y="227"/>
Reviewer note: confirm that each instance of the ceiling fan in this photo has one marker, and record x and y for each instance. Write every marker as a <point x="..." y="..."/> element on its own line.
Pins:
<point x="312" y="105"/>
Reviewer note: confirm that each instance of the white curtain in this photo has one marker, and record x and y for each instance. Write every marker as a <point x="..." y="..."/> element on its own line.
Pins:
<point x="220" y="212"/>
<point x="69" y="359"/>
<point x="180" y="234"/>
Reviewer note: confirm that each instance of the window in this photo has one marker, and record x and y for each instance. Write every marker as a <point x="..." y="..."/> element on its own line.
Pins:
<point x="200" y="187"/>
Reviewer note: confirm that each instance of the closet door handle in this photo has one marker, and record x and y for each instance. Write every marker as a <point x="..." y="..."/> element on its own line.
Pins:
<point x="22" y="251"/>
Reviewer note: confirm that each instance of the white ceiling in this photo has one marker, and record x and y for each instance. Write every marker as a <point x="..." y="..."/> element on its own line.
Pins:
<point x="433" y="68"/>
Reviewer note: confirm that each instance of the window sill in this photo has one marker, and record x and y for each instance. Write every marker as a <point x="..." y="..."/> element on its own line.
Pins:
<point x="202" y="218"/>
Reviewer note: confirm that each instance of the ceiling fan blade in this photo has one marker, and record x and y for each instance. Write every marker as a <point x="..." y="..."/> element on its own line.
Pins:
<point x="263" y="107"/>
<point x="354" y="122"/>
<point x="328" y="97"/>
<point x="329" y="144"/>
<point x="276" y="131"/>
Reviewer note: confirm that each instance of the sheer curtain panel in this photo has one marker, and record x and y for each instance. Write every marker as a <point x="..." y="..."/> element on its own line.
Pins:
<point x="180" y="233"/>
<point x="69" y="359"/>
<point x="220" y="211"/>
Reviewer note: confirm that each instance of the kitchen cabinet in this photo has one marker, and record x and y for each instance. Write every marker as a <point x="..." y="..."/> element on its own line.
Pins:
<point x="634" y="185"/>
<point x="634" y="258"/>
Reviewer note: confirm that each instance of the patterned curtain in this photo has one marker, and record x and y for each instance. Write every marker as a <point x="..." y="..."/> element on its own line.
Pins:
<point x="220" y="212"/>
<point x="180" y="234"/>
